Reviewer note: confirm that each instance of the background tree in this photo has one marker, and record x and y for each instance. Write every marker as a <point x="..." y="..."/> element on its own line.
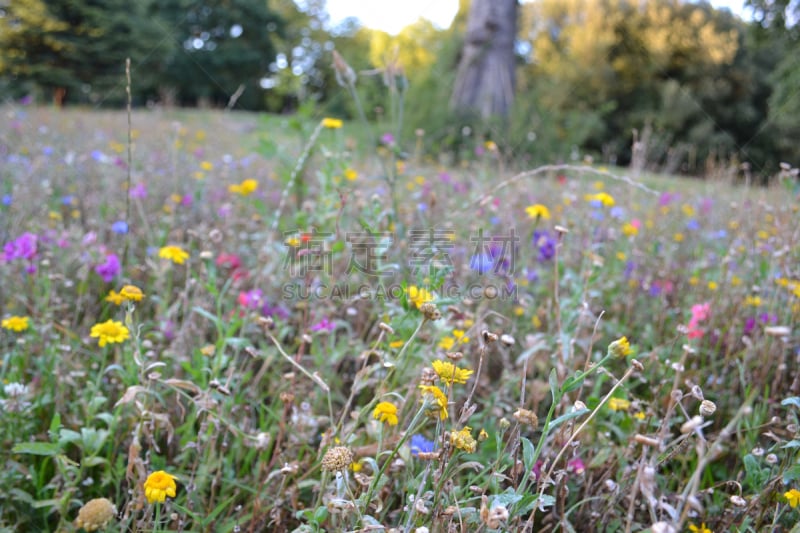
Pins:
<point x="485" y="80"/>
<point x="73" y="50"/>
<point x="215" y="47"/>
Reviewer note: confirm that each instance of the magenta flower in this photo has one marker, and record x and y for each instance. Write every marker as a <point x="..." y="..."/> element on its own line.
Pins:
<point x="23" y="247"/>
<point x="109" y="269"/>
<point x="324" y="325"/>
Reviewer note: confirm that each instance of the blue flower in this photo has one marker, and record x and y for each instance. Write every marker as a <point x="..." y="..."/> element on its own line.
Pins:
<point x="120" y="227"/>
<point x="7" y="199"/>
<point x="481" y="263"/>
<point x="420" y="444"/>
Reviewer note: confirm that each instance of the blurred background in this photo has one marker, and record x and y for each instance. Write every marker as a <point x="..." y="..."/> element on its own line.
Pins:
<point x="671" y="85"/>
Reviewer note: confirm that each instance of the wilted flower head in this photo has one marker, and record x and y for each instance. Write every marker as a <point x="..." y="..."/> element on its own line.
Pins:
<point x="337" y="459"/>
<point x="620" y="347"/>
<point x="95" y="514"/>
<point x="463" y="440"/>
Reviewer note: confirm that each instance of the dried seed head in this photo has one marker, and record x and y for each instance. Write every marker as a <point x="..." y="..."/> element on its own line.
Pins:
<point x="430" y="311"/>
<point x="504" y="423"/>
<point x="697" y="392"/>
<point x="561" y="230"/>
<point x="707" y="408"/>
<point x="429" y="376"/>
<point x="215" y="236"/>
<point x="647" y="441"/>
<point x="637" y="365"/>
<point x="507" y="339"/>
<point x="488" y="336"/>
<point x="454" y="356"/>
<point x="383" y="326"/>
<point x="771" y="458"/>
<point x="610" y="485"/>
<point x="287" y="397"/>
<point x="663" y="527"/>
<point x="578" y="406"/>
<point x="336" y="459"/>
<point x="691" y="424"/>
<point x="676" y="395"/>
<point x="498" y="516"/>
<point x="345" y="75"/>
<point x="429" y="456"/>
<point x="738" y="501"/>
<point x="758" y="451"/>
<point x="95" y="514"/>
<point x="524" y="416"/>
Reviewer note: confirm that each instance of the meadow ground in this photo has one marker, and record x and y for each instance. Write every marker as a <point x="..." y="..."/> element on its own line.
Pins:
<point x="276" y="324"/>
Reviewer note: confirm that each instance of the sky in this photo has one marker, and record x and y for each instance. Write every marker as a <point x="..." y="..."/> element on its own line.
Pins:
<point x="392" y="16"/>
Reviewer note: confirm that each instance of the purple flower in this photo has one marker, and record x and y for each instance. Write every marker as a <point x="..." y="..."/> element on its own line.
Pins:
<point x="23" y="247"/>
<point x="108" y="270"/>
<point x="420" y="444"/>
<point x="274" y="311"/>
<point x="545" y="243"/>
<point x="749" y="325"/>
<point x="387" y="139"/>
<point x="576" y="466"/>
<point x="7" y="199"/>
<point x="692" y="224"/>
<point x="138" y="191"/>
<point x="324" y="325"/>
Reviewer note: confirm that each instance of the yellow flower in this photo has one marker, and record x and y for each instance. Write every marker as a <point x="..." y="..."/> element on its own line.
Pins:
<point x="754" y="301"/>
<point x="620" y="347"/>
<point x="678" y="237"/>
<point x="450" y="373"/>
<point x="174" y="254"/>
<point x="131" y="292"/>
<point x="459" y="334"/>
<point x="350" y="174"/>
<point x="463" y="440"/>
<point x="207" y="165"/>
<point x="396" y="344"/>
<point x="447" y="343"/>
<point x="16" y="323"/>
<point x="618" y="404"/>
<point x="793" y="497"/>
<point x="621" y="256"/>
<point x="386" y="412"/>
<point x="712" y="285"/>
<point x="490" y="145"/>
<point x="332" y="123"/>
<point x="109" y="332"/>
<point x="736" y="280"/>
<point x="244" y="188"/>
<point x="603" y="197"/>
<point x="418" y="296"/>
<point x="629" y="229"/>
<point x="537" y="211"/>
<point x="688" y="210"/>
<point x="356" y="466"/>
<point x="158" y="486"/>
<point x="701" y="529"/>
<point x="439" y="396"/>
<point x="115" y="298"/>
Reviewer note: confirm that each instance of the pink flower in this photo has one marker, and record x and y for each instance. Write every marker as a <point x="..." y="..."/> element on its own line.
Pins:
<point x="700" y="313"/>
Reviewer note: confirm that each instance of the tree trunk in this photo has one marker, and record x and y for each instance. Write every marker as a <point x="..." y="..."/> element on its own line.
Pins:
<point x="485" y="78"/>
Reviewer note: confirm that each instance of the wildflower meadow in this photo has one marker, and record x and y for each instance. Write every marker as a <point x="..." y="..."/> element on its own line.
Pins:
<point x="222" y="321"/>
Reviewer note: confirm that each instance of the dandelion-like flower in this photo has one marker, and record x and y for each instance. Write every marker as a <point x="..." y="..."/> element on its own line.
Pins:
<point x="418" y="296"/>
<point x="158" y="486"/>
<point x="132" y="293"/>
<point x="244" y="188"/>
<point x="620" y="347"/>
<point x="793" y="497"/>
<point x="438" y="396"/>
<point x="337" y="459"/>
<point x="110" y="332"/>
<point x="463" y="440"/>
<point x="114" y="297"/>
<point x="332" y="123"/>
<point x="618" y="404"/>
<point x="16" y="323"/>
<point x="386" y="412"/>
<point x="538" y="211"/>
<point x="174" y="254"/>
<point x="95" y="514"/>
<point x="450" y="373"/>
<point x="699" y="529"/>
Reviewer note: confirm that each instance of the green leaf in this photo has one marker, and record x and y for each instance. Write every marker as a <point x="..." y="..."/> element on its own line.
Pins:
<point x="508" y="498"/>
<point x="563" y="418"/>
<point x="37" y="448"/>
<point x="791" y="474"/>
<point x="545" y="500"/>
<point x="55" y="423"/>
<point x="553" y="380"/>
<point x="94" y="461"/>
<point x="527" y="453"/>
<point x="573" y="382"/>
